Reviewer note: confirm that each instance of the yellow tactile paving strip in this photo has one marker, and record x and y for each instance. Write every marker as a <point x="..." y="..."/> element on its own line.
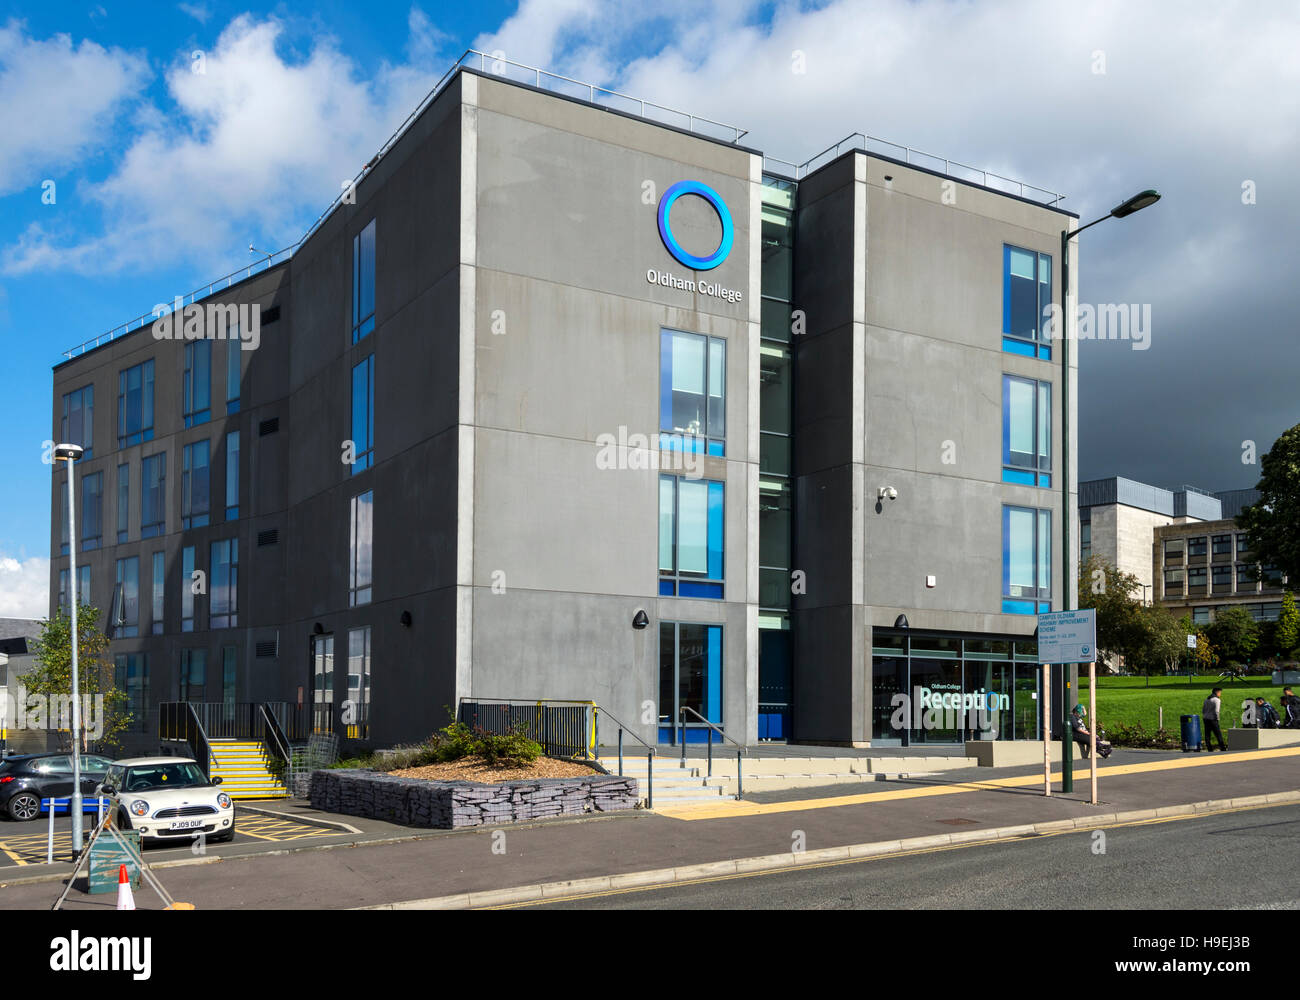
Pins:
<point x="30" y="848"/>
<point x="732" y="808"/>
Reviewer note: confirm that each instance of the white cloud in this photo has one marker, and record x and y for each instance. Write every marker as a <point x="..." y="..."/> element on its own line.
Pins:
<point x="198" y="11"/>
<point x="57" y="101"/>
<point x="24" y="587"/>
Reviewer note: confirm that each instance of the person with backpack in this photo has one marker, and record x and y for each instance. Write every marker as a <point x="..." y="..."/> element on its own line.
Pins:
<point x="1266" y="716"/>
<point x="1210" y="720"/>
<point x="1290" y="709"/>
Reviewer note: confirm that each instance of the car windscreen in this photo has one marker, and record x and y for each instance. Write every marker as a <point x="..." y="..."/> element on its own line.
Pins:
<point x="152" y="777"/>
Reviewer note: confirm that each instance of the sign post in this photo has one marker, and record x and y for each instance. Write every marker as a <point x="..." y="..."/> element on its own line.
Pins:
<point x="1067" y="637"/>
<point x="1047" y="728"/>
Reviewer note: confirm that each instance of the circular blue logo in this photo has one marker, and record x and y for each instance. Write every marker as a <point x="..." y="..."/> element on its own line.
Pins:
<point x="666" y="231"/>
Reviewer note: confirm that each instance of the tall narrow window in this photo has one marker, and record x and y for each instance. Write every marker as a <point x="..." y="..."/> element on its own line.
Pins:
<point x="232" y="475"/>
<point x="1026" y="302"/>
<point x="135" y="405"/>
<point x="156" y="626"/>
<point x="1026" y="560"/>
<point x="194" y="674"/>
<point x="78" y="423"/>
<point x="234" y="377"/>
<point x="196" y="384"/>
<point x="223" y="591"/>
<point x="363" y="282"/>
<point x="123" y="502"/>
<point x="691" y="528"/>
<point x="1026" y="431"/>
<point x="692" y="392"/>
<point x="228" y="662"/>
<point x="360" y="548"/>
<point x="356" y="713"/>
<point x="83" y="586"/>
<point x="187" y="589"/>
<point x="63" y="590"/>
<point x="132" y="676"/>
<point x="690" y="676"/>
<point x="195" y="485"/>
<point x="92" y="510"/>
<point x="153" y="495"/>
<point x="363" y="414"/>
<point x="63" y="517"/>
<point x="128" y="579"/>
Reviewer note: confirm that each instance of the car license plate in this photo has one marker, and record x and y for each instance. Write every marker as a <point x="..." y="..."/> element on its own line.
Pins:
<point x="186" y="824"/>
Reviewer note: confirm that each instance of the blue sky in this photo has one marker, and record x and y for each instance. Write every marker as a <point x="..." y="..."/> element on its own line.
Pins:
<point x="163" y="175"/>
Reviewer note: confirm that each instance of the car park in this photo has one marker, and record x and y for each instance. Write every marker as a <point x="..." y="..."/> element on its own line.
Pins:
<point x="168" y="799"/>
<point x="28" y="779"/>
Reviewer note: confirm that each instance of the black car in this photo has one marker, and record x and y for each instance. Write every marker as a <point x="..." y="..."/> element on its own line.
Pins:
<point x="25" y="779"/>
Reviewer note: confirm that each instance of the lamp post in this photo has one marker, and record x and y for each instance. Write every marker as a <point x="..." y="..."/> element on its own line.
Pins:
<point x="1125" y="208"/>
<point x="70" y="453"/>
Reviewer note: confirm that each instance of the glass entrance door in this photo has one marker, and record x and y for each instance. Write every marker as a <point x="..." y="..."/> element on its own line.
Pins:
<point x="322" y="684"/>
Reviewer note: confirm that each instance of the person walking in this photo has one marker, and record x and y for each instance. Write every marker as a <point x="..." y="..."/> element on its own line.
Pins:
<point x="1210" y="720"/>
<point x="1290" y="709"/>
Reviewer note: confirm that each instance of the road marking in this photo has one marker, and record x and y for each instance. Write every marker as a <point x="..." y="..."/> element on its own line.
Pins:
<point x="863" y="860"/>
<point x="737" y="808"/>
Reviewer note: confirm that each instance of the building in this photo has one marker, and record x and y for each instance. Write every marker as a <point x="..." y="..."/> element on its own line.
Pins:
<point x="564" y="402"/>
<point x="1207" y="566"/>
<point x="17" y="656"/>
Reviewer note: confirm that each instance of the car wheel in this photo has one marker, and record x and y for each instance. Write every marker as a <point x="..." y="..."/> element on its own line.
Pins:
<point x="24" y="806"/>
<point x="225" y="838"/>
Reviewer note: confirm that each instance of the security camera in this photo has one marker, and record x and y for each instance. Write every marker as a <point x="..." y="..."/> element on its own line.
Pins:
<point x="887" y="493"/>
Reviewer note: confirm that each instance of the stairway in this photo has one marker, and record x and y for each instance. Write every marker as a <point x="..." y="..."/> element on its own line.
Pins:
<point x="243" y="768"/>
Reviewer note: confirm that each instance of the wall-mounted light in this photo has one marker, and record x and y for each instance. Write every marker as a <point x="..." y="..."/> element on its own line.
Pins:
<point x="406" y="619"/>
<point x="886" y="493"/>
<point x="640" y="620"/>
<point x="900" y="621"/>
<point x="318" y="628"/>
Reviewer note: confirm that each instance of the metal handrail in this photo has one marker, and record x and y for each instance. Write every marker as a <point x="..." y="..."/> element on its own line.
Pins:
<point x="740" y="748"/>
<point x="649" y="758"/>
<point x="272" y="725"/>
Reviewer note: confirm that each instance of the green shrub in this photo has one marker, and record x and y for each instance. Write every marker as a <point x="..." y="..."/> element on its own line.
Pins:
<point x="1137" y="735"/>
<point x="512" y="747"/>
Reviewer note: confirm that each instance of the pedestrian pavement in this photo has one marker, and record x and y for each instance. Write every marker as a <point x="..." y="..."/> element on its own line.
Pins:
<point x="400" y="864"/>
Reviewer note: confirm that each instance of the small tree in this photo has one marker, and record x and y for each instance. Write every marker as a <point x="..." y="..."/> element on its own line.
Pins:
<point x="1204" y="655"/>
<point x="1235" y="633"/>
<point x="51" y="678"/>
<point x="1287" y="635"/>
<point x="1272" y="526"/>
<point x="1120" y="628"/>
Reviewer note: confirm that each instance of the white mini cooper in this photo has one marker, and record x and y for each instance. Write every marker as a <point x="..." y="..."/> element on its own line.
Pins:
<point x="168" y="798"/>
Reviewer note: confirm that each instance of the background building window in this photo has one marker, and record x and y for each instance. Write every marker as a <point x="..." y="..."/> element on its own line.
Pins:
<point x="356" y="714"/>
<point x="234" y="361"/>
<point x="78" y="423"/>
<point x="194" y="674"/>
<point x="135" y="405"/>
<point x="223" y="587"/>
<point x="1085" y="541"/>
<point x="159" y="586"/>
<point x="1222" y="545"/>
<point x="1026" y="560"/>
<point x="123" y="502"/>
<point x="63" y="517"/>
<point x="232" y="475"/>
<point x="128" y="579"/>
<point x="363" y="414"/>
<point x="363" y="282"/>
<point x="1200" y="616"/>
<point x="187" y="589"/>
<point x="1026" y="301"/>
<point x="691" y="531"/>
<point x="360" y="548"/>
<point x="692" y="392"/>
<point x="1174" y="582"/>
<point x="1196" y="547"/>
<point x="132" y="676"/>
<point x="1026" y="431"/>
<point x="196" y="384"/>
<point x="83" y="588"/>
<point x="1174" y="551"/>
<point x="153" y="495"/>
<point x="92" y="510"/>
<point x="196" y="488"/>
<point x="1222" y="579"/>
<point x="1196" y="580"/>
<point x="228" y="664"/>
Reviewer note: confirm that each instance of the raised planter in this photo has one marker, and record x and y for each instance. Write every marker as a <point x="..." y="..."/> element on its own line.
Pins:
<point x="450" y="805"/>
<point x="1285" y="677"/>
<point x="1260" y="739"/>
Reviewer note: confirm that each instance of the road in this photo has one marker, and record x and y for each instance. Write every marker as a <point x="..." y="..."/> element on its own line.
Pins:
<point x="1233" y="860"/>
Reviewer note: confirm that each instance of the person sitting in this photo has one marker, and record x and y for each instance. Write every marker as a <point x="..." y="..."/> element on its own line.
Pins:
<point x="1080" y="729"/>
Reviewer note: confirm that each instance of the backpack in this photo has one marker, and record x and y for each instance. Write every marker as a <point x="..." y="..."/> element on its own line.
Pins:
<point x="1292" y="720"/>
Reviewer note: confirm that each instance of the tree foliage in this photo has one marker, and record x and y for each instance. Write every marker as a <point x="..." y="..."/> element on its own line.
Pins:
<point x="1272" y="525"/>
<point x="1287" y="635"/>
<point x="1235" y="633"/>
<point x="52" y="675"/>
<point x="1120" y="627"/>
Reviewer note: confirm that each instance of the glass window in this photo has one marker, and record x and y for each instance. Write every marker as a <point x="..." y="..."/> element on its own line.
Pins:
<point x="691" y="530"/>
<point x="92" y="510"/>
<point x="363" y="282"/>
<point x="63" y="516"/>
<point x="1222" y="579"/>
<point x="322" y="683"/>
<point x="128" y="579"/>
<point x="83" y="586"/>
<point x="1200" y="616"/>
<point x="777" y="252"/>
<point x="232" y="475"/>
<point x="1243" y="546"/>
<point x="158" y="590"/>
<point x="123" y="501"/>
<point x="774" y="388"/>
<point x="1026" y="431"/>
<point x="356" y="710"/>
<point x="690" y="676"/>
<point x="1272" y="577"/>
<point x="194" y="674"/>
<point x="1026" y="301"/>
<point x="63" y="589"/>
<point x="78" y="423"/>
<point x="1173" y="550"/>
<point x="1246" y="577"/>
<point x="132" y="676"/>
<point x="234" y="361"/>
<point x="692" y="392"/>
<point x="223" y="589"/>
<point x="1026" y="559"/>
<point x="363" y="414"/>
<point x="1174" y="582"/>
<point x="1196" y="546"/>
<point x="1222" y="545"/>
<point x="153" y="495"/>
<point x="228" y="663"/>
<point x="188" y="584"/>
<point x="195" y="485"/>
<point x="135" y="405"/>
<point x="361" y="547"/>
<point x="1196" y="577"/>
<point x="196" y="384"/>
<point x="1085" y="541"/>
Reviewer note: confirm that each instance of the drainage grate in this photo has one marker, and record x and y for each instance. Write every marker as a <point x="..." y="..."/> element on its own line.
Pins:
<point x="959" y="821"/>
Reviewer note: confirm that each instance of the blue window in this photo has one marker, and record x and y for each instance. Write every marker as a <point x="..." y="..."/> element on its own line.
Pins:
<point x="135" y="405"/>
<point x="691" y="530"/>
<point x="92" y="510"/>
<point x="363" y="282"/>
<point x="196" y="386"/>
<point x="690" y="676"/>
<point x="78" y="424"/>
<point x="1026" y="302"/>
<point x="63" y="517"/>
<point x="1026" y="431"/>
<point x="232" y="475"/>
<point x="123" y="501"/>
<point x="187" y="589"/>
<point x="128" y="582"/>
<point x="153" y="495"/>
<point x="196" y="488"/>
<point x="223" y="604"/>
<point x="83" y="587"/>
<point x="234" y="359"/>
<point x="1026" y="560"/>
<point x="363" y="415"/>
<point x="692" y="392"/>
<point x="361" y="548"/>
<point x="157" y="595"/>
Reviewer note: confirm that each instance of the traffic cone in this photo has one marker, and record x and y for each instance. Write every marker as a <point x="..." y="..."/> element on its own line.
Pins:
<point x="125" y="901"/>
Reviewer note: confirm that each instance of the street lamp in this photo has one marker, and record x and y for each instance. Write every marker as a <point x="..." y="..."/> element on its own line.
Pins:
<point x="70" y="453"/>
<point x="1124" y="209"/>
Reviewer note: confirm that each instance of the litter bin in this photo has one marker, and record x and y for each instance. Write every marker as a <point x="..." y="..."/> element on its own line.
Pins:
<point x="1191" y="728"/>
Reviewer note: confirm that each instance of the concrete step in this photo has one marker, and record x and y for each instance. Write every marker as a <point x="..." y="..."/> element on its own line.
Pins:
<point x="726" y="766"/>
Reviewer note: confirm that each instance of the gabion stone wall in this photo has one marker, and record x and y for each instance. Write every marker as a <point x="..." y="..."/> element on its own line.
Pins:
<point x="454" y="804"/>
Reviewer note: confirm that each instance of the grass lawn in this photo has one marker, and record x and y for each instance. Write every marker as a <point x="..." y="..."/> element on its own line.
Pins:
<point x="1128" y="700"/>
